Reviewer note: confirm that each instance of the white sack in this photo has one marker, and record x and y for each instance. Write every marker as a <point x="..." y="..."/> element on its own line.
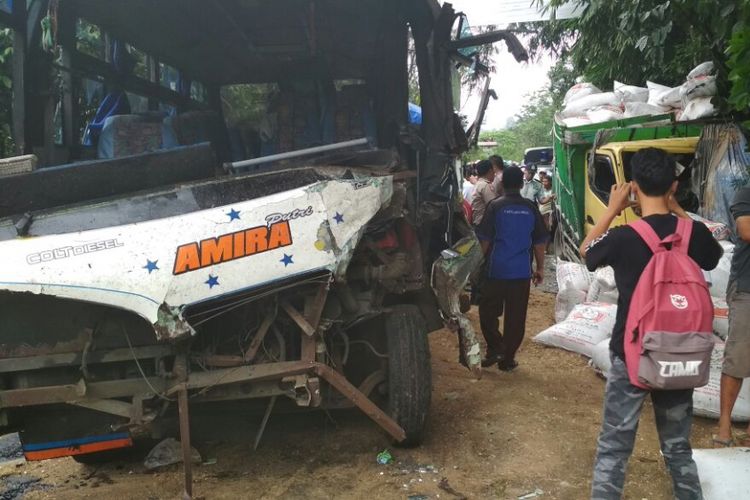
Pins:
<point x="630" y="93"/>
<point x="703" y="69"/>
<point x="719" y="230"/>
<point x="600" y="359"/>
<point x="580" y="106"/>
<point x="572" y="276"/>
<point x="706" y="398"/>
<point x="704" y="86"/>
<point x="721" y="317"/>
<point x="603" y="287"/>
<point x="604" y="114"/>
<point x="576" y="121"/>
<point x="700" y="107"/>
<point x="586" y="326"/>
<point x="718" y="278"/>
<point x="578" y="91"/>
<point x="565" y="301"/>
<point x="661" y="95"/>
<point x="723" y="472"/>
<point x="633" y="109"/>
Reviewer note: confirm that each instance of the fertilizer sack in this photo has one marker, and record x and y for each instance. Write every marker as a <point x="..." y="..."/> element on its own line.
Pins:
<point x="604" y="114"/>
<point x="700" y="107"/>
<point x="584" y="104"/>
<point x="566" y="301"/>
<point x="600" y="360"/>
<point x="630" y="93"/>
<point x="633" y="109"/>
<point x="578" y="91"/>
<point x="585" y="327"/>
<point x="661" y="95"/>
<point x="721" y="317"/>
<point x="603" y="287"/>
<point x="706" y="398"/>
<point x="572" y="276"/>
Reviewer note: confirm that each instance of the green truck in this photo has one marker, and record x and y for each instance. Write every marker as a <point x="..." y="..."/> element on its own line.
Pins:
<point x="590" y="158"/>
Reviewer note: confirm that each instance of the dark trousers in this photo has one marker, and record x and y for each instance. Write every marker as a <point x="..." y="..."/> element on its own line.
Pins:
<point x="509" y="299"/>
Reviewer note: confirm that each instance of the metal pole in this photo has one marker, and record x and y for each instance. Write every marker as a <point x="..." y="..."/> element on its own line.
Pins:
<point x="187" y="455"/>
<point x="296" y="154"/>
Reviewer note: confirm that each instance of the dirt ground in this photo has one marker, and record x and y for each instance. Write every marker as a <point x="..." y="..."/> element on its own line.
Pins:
<point x="501" y="437"/>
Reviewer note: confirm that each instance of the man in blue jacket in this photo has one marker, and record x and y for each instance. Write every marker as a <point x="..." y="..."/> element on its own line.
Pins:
<point x="511" y="230"/>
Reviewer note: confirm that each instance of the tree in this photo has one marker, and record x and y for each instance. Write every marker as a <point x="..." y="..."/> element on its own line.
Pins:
<point x="639" y="40"/>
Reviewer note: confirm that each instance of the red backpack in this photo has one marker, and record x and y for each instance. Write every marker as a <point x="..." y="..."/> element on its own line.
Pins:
<point x="669" y="332"/>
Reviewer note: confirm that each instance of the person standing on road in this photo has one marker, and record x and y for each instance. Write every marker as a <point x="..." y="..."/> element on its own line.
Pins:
<point x="546" y="201"/>
<point x="737" y="350"/>
<point x="512" y="228"/>
<point x="470" y="180"/>
<point x="498" y="165"/>
<point x="484" y="191"/>
<point x="654" y="183"/>
<point x="532" y="188"/>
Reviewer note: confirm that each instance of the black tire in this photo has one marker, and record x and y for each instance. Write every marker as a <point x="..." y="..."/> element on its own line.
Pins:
<point x="409" y="371"/>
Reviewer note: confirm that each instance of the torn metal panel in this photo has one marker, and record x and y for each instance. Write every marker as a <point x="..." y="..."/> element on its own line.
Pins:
<point x="158" y="267"/>
<point x="450" y="274"/>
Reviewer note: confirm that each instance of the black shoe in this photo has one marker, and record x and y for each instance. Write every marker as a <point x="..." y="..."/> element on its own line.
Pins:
<point x="490" y="360"/>
<point x="507" y="366"/>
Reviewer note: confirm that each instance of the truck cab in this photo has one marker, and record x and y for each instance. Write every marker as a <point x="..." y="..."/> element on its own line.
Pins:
<point x="611" y="165"/>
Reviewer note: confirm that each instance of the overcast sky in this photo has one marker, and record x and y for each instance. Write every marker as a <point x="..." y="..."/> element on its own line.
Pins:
<point x="512" y="81"/>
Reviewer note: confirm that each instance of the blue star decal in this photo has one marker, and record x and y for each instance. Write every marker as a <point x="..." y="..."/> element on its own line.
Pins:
<point x="287" y="260"/>
<point x="212" y="281"/>
<point x="339" y="218"/>
<point x="151" y="266"/>
<point x="233" y="215"/>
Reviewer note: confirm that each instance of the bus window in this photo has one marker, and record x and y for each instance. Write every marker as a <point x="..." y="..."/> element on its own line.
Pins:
<point x="6" y="5"/>
<point x="7" y="146"/>
<point x="168" y="76"/>
<point x="138" y="103"/>
<point x="140" y="59"/>
<point x="89" y="39"/>
<point x="90" y="96"/>
<point x="197" y="91"/>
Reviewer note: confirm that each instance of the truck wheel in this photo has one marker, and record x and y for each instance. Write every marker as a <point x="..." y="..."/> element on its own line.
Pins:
<point x="409" y="371"/>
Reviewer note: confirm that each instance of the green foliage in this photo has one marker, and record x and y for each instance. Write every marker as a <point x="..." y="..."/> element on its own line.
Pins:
<point x="739" y="60"/>
<point x="639" y="40"/>
<point x="246" y="104"/>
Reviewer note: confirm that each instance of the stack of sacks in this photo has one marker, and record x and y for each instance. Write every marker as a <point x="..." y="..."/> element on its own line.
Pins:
<point x="573" y="283"/>
<point x="696" y="93"/>
<point x="585" y="327"/>
<point x="584" y="104"/>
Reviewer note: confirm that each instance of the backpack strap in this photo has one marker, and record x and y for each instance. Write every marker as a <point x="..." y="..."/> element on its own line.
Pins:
<point x="649" y="236"/>
<point x="684" y="231"/>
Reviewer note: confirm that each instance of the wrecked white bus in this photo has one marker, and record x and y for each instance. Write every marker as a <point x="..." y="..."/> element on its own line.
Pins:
<point x="158" y="255"/>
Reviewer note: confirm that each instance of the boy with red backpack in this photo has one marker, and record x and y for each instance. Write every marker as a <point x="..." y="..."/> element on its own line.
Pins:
<point x="663" y="325"/>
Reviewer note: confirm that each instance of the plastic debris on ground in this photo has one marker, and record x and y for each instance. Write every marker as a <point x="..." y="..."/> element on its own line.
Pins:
<point x="534" y="494"/>
<point x="724" y="472"/>
<point x="168" y="452"/>
<point x="384" y="457"/>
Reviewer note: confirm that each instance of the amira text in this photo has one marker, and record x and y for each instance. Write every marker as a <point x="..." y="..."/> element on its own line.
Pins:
<point x="231" y="246"/>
